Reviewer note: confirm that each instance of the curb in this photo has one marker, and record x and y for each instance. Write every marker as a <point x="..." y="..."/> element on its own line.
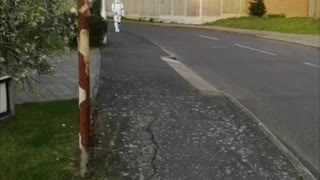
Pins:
<point x="256" y="33"/>
<point x="95" y="73"/>
<point x="303" y="171"/>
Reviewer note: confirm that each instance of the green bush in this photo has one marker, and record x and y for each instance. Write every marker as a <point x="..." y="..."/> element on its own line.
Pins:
<point x="276" y="15"/>
<point x="71" y="19"/>
<point x="98" y="26"/>
<point x="30" y="32"/>
<point x="257" y="8"/>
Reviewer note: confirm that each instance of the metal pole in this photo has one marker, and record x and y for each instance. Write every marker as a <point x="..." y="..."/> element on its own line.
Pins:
<point x="84" y="91"/>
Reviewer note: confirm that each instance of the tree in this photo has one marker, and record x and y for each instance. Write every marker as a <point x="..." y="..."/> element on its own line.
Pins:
<point x="257" y="8"/>
<point x="30" y="33"/>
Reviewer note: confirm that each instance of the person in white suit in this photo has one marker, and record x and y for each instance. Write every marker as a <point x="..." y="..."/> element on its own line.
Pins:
<point x="118" y="12"/>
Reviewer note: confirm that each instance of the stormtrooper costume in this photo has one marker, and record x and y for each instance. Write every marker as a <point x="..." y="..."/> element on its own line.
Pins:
<point x="118" y="12"/>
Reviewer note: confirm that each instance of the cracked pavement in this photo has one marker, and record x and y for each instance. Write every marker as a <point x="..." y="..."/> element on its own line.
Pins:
<point x="157" y="126"/>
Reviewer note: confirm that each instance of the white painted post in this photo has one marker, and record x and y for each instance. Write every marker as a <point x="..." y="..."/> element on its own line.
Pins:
<point x="172" y="8"/>
<point x="103" y="14"/>
<point x="201" y="10"/>
<point x="312" y="7"/>
<point x="185" y="7"/>
<point x="139" y="15"/>
<point x="221" y="7"/>
<point x="148" y="8"/>
<point x="159" y="8"/>
<point x="240" y="10"/>
<point x="103" y="9"/>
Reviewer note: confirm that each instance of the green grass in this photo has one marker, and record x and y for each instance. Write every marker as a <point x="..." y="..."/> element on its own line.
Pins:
<point x="281" y="24"/>
<point x="35" y="144"/>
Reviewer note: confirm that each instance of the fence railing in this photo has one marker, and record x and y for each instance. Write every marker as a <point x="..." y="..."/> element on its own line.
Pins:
<point x="184" y="11"/>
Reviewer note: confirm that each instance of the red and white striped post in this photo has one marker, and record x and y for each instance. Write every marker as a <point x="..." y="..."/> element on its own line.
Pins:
<point x="84" y="86"/>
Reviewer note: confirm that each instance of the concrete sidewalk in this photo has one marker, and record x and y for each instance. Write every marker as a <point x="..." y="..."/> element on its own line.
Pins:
<point x="306" y="40"/>
<point x="152" y="124"/>
<point x="63" y="84"/>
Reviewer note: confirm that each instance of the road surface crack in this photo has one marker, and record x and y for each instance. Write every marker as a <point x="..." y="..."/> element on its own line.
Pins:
<point x="155" y="153"/>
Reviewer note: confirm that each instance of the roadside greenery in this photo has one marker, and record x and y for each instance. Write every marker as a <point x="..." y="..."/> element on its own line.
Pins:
<point x="30" y="32"/>
<point x="98" y="26"/>
<point x="40" y="142"/>
<point x="281" y="24"/>
<point x="257" y="8"/>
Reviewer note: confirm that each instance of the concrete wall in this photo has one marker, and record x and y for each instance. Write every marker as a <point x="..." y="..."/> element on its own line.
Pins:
<point x="212" y="7"/>
<point x="291" y="8"/>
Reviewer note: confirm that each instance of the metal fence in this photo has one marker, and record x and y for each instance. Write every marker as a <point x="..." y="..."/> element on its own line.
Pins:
<point x="183" y="11"/>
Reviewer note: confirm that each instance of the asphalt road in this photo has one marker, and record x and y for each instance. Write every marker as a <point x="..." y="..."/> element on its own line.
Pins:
<point x="277" y="81"/>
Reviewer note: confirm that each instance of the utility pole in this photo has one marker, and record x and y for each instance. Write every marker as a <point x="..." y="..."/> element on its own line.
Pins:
<point x="84" y="90"/>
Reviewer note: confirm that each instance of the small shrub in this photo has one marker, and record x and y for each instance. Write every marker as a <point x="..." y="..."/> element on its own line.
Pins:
<point x="71" y="19"/>
<point x="98" y="26"/>
<point x="257" y="8"/>
<point x="151" y="20"/>
<point x="281" y="15"/>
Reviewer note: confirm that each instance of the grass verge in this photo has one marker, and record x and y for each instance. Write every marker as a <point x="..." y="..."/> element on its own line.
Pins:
<point x="295" y="25"/>
<point x="40" y="142"/>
